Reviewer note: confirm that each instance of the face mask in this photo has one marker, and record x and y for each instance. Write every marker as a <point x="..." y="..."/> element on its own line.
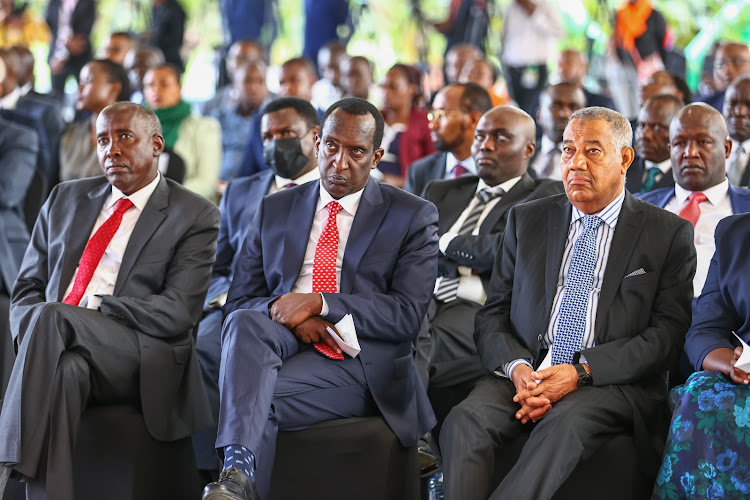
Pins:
<point x="285" y="157"/>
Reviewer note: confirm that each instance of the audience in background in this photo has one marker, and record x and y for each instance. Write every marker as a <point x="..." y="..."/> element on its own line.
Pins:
<point x="119" y="44"/>
<point x="731" y="60"/>
<point x="167" y="30"/>
<point x="19" y="26"/>
<point x="328" y="89"/>
<point x="457" y="57"/>
<point x="357" y="79"/>
<point x="737" y="115"/>
<point x="485" y="74"/>
<point x="573" y="67"/>
<point x="241" y="53"/>
<point x="665" y="82"/>
<point x="138" y="62"/>
<point x="196" y="139"/>
<point x="70" y="24"/>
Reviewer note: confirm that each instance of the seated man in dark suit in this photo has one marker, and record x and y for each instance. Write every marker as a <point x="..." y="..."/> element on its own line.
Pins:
<point x="572" y="67"/>
<point x="651" y="168"/>
<point x="103" y="311"/>
<point x="737" y="115"/>
<point x="589" y="298"/>
<point x="350" y="246"/>
<point x="18" y="148"/>
<point x="472" y="215"/>
<point x="289" y="127"/>
<point x="556" y="104"/>
<point x="455" y="112"/>
<point x="702" y="194"/>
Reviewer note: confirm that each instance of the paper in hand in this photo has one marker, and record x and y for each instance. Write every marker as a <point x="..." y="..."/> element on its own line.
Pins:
<point x="347" y="336"/>
<point x="744" y="362"/>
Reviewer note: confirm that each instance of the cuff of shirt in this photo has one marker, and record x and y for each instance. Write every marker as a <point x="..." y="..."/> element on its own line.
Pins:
<point x="324" y="309"/>
<point x="445" y="240"/>
<point x="507" y="368"/>
<point x="91" y="302"/>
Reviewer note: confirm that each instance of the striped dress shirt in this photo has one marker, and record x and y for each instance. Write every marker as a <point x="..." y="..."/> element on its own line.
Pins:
<point x="604" y="235"/>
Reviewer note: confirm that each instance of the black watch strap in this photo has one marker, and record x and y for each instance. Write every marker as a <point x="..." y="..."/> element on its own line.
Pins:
<point x="584" y="378"/>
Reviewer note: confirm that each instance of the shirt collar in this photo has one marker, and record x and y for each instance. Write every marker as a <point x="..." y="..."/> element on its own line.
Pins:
<point x="664" y="166"/>
<point x="736" y="145"/>
<point x="451" y="161"/>
<point x="139" y="198"/>
<point x="10" y="101"/>
<point x="548" y="145"/>
<point x="349" y="203"/>
<point x="25" y="89"/>
<point x="715" y="194"/>
<point x="312" y="175"/>
<point x="609" y="214"/>
<point x="505" y="186"/>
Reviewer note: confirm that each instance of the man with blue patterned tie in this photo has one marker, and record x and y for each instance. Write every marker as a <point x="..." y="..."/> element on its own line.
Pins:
<point x="592" y="289"/>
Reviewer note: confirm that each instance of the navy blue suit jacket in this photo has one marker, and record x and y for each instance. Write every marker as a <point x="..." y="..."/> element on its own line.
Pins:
<point x="724" y="304"/>
<point x="738" y="197"/>
<point x="387" y="279"/>
<point x="238" y="205"/>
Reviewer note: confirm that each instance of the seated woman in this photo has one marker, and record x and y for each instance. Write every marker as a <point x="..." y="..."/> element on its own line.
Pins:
<point x="406" y="138"/>
<point x="196" y="139"/>
<point x="708" y="450"/>
<point x="101" y="83"/>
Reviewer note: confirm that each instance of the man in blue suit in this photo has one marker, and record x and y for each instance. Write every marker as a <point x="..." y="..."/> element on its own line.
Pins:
<point x="698" y="148"/>
<point x="289" y="127"/>
<point x="315" y="253"/>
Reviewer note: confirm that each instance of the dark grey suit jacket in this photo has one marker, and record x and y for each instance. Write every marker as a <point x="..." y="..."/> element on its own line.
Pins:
<point x="641" y="319"/>
<point x="634" y="178"/>
<point x="158" y="293"/>
<point x="452" y="196"/>
<point x="424" y="171"/>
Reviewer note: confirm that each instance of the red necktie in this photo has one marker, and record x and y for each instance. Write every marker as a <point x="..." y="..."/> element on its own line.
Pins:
<point x="692" y="210"/>
<point x="458" y="171"/>
<point x="324" y="266"/>
<point x="94" y="251"/>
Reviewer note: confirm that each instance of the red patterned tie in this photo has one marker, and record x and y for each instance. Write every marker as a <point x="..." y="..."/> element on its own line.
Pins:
<point x="94" y="251"/>
<point x="458" y="171"/>
<point x="692" y="210"/>
<point x="324" y="266"/>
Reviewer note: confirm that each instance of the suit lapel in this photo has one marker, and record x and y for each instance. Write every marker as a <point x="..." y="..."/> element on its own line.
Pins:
<point x="298" y="225"/>
<point x="665" y="199"/>
<point x="739" y="198"/>
<point x="558" y="226"/>
<point x="370" y="213"/>
<point x="454" y="201"/>
<point x="523" y="187"/>
<point x="148" y="222"/>
<point x="84" y="218"/>
<point x="629" y="227"/>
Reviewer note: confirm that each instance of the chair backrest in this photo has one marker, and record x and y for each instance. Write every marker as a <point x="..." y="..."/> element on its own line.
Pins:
<point x="175" y="167"/>
<point x="35" y="197"/>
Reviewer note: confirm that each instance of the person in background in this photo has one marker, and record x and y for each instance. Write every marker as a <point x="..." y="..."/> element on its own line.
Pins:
<point x="737" y="115"/>
<point x="457" y="57"/>
<point x="328" y="88"/>
<point x="137" y="63"/>
<point x="573" y="67"/>
<point x="665" y="82"/>
<point x="70" y="23"/>
<point x="407" y="131"/>
<point x="241" y="53"/>
<point x="196" y="139"/>
<point x="358" y="80"/>
<point x="167" y="30"/>
<point x="118" y="45"/>
<point x="19" y="26"/>
<point x="485" y="74"/>
<point x="732" y="60"/>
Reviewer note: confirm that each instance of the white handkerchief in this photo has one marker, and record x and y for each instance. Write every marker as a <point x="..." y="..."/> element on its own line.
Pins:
<point x="744" y="362"/>
<point x="347" y="340"/>
<point x="637" y="272"/>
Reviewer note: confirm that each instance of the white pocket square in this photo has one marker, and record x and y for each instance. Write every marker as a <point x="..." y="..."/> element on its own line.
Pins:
<point x="637" y="272"/>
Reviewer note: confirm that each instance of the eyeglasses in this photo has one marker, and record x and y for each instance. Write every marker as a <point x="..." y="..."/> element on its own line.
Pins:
<point x="730" y="62"/>
<point x="439" y="114"/>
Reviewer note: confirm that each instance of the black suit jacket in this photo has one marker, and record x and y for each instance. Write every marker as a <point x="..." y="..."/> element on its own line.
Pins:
<point x="634" y="178"/>
<point x="641" y="318"/>
<point x="424" y="171"/>
<point x="158" y="293"/>
<point x="451" y="197"/>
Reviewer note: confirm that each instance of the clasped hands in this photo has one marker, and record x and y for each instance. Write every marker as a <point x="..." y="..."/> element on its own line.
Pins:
<point x="300" y="314"/>
<point x="536" y="399"/>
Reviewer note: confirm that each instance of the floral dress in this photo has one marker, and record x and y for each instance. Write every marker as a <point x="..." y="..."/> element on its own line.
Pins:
<point x="708" y="449"/>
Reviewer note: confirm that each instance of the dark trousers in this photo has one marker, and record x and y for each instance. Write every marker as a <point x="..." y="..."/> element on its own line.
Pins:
<point x="270" y="381"/>
<point x="208" y="349"/>
<point x="68" y="357"/>
<point x="524" y="94"/>
<point x="571" y="431"/>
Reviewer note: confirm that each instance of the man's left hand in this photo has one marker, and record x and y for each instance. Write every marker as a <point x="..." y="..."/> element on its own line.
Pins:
<point x="293" y="308"/>
<point x="554" y="383"/>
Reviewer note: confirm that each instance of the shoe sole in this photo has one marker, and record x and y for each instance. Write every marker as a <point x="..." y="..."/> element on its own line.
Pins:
<point x="218" y="495"/>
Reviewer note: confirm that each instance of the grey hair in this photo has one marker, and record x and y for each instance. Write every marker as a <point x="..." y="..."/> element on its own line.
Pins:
<point x="142" y="113"/>
<point x="622" y="132"/>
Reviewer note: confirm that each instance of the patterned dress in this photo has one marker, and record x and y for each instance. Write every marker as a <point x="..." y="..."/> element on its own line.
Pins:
<point x="708" y="449"/>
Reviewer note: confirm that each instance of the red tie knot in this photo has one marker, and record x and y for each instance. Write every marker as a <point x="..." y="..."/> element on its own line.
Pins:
<point x="697" y="197"/>
<point x="333" y="208"/>
<point x="122" y="205"/>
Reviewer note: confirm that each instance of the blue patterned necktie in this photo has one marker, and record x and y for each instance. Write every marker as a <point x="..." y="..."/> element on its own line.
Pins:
<point x="571" y="320"/>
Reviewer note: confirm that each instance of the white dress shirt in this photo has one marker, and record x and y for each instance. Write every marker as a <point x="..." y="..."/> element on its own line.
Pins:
<point x="344" y="220"/>
<point x="470" y="285"/>
<point x="540" y="162"/>
<point x="105" y="276"/>
<point x="279" y="183"/>
<point x="451" y="161"/>
<point x="529" y="40"/>
<point x="716" y="207"/>
<point x="10" y="101"/>
<point x="743" y="153"/>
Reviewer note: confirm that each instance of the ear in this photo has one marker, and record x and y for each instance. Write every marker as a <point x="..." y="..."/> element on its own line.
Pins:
<point x="727" y="148"/>
<point x="158" y="143"/>
<point x="317" y="141"/>
<point x="628" y="154"/>
<point x="377" y="157"/>
<point x="474" y="118"/>
<point x="530" y="149"/>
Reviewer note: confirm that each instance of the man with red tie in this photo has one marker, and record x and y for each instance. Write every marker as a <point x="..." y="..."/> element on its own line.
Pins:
<point x="698" y="148"/>
<point x="314" y="254"/>
<point x="456" y="110"/>
<point x="103" y="310"/>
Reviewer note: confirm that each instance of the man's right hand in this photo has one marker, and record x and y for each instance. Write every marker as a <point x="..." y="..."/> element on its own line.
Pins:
<point x="533" y="408"/>
<point x="313" y="330"/>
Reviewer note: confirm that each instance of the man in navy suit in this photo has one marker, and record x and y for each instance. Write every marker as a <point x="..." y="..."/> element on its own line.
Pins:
<point x="361" y="248"/>
<point x="698" y="149"/>
<point x="455" y="112"/>
<point x="289" y="126"/>
<point x="651" y="168"/>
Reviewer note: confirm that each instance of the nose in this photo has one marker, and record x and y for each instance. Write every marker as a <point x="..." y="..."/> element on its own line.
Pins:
<point x="487" y="144"/>
<point x="340" y="160"/>
<point x="112" y="150"/>
<point x="691" y="149"/>
<point x="577" y="160"/>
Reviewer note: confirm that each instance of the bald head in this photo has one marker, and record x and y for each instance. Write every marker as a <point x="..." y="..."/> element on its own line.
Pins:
<point x="145" y="117"/>
<point x="504" y="142"/>
<point x="737" y="108"/>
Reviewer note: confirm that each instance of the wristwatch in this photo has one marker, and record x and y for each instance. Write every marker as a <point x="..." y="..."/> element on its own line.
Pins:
<point x="584" y="378"/>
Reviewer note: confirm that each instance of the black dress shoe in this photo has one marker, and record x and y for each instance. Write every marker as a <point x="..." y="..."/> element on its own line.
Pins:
<point x="233" y="484"/>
